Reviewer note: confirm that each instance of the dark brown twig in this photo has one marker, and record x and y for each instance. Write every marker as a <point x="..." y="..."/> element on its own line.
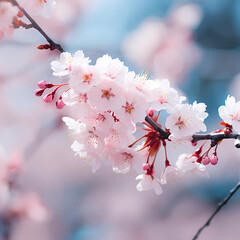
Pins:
<point x="214" y="137"/>
<point x="38" y="28"/>
<point x="220" y="205"/>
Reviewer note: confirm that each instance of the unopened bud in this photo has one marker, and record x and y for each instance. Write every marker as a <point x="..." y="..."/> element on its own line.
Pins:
<point x="150" y="112"/>
<point x="40" y="47"/>
<point x="60" y="104"/>
<point x="237" y="143"/>
<point x="206" y="160"/>
<point x="38" y="92"/>
<point x="146" y="166"/>
<point x="45" y="46"/>
<point x="20" y="14"/>
<point x="194" y="144"/>
<point x="48" y="98"/>
<point x="214" y="159"/>
<point x="42" y="84"/>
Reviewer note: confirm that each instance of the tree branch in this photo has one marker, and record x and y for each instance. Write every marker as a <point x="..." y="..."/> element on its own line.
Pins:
<point x="220" y="205"/>
<point x="214" y="137"/>
<point x="164" y="134"/>
<point x="38" y="28"/>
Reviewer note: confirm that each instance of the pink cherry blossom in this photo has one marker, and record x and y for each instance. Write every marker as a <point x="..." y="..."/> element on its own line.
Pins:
<point x="230" y="113"/>
<point x="99" y="123"/>
<point x="78" y="103"/>
<point x="107" y="95"/>
<point x="7" y="13"/>
<point x="44" y="8"/>
<point x="133" y="110"/>
<point x="119" y="136"/>
<point x="124" y="159"/>
<point x="186" y="119"/>
<point x="31" y="206"/>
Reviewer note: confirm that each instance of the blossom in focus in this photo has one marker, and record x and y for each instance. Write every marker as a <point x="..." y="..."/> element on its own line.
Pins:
<point x="230" y="113"/>
<point x="165" y="97"/>
<point x="106" y="103"/>
<point x="186" y="119"/>
<point x="7" y="13"/>
<point x="107" y="95"/>
<point x="188" y="163"/>
<point x="64" y="66"/>
<point x="112" y="69"/>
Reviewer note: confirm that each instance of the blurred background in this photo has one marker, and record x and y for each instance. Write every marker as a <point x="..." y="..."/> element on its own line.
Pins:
<point x="195" y="44"/>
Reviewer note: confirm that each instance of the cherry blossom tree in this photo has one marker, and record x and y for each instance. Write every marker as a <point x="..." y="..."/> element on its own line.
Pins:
<point x="107" y="105"/>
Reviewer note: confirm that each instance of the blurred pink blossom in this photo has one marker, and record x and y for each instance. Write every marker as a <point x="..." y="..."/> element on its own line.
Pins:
<point x="166" y="48"/>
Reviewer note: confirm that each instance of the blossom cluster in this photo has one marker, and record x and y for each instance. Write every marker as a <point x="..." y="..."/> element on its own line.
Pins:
<point x="107" y="103"/>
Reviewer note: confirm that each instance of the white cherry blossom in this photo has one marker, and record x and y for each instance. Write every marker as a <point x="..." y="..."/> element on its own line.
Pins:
<point x="230" y="113"/>
<point x="64" y="66"/>
<point x="164" y="97"/>
<point x="188" y="163"/>
<point x="112" y="69"/>
<point x="140" y="84"/>
<point x="148" y="182"/>
<point x="170" y="174"/>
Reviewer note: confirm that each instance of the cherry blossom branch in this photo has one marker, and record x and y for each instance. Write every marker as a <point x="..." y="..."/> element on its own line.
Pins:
<point x="220" y="205"/>
<point x="52" y="44"/>
<point x="163" y="134"/>
<point x="214" y="137"/>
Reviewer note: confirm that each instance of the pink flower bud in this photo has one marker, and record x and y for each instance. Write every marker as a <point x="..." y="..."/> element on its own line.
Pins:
<point x="146" y="166"/>
<point x="48" y="98"/>
<point x="206" y="160"/>
<point x="214" y="159"/>
<point x="150" y="112"/>
<point x="38" y="92"/>
<point x="60" y="104"/>
<point x="194" y="144"/>
<point x="42" y="84"/>
<point x="20" y="14"/>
